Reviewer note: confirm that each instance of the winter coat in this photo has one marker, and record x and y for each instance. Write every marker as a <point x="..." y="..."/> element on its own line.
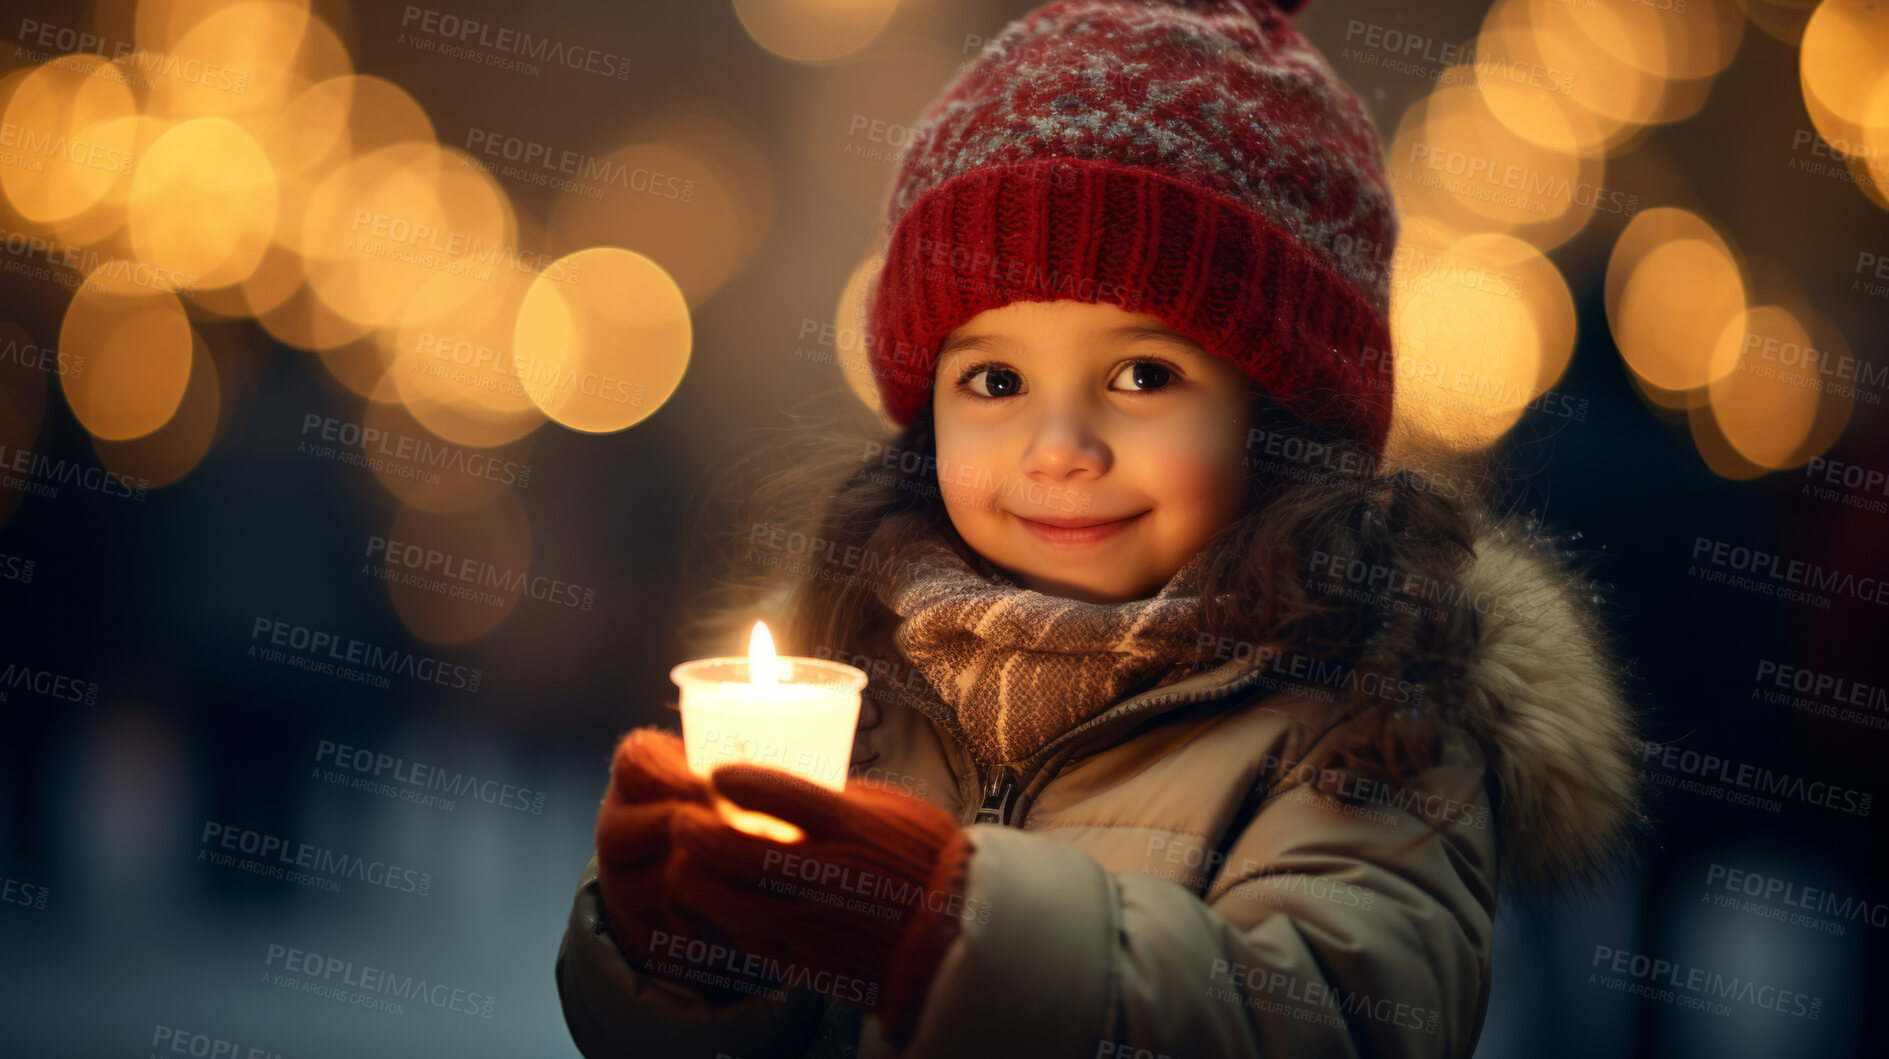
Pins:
<point x="1128" y="899"/>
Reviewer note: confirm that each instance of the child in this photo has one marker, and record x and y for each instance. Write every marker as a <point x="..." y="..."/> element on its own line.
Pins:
<point x="1193" y="730"/>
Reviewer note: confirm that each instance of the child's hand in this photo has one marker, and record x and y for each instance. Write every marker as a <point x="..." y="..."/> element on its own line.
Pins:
<point x="862" y="908"/>
<point x="649" y="782"/>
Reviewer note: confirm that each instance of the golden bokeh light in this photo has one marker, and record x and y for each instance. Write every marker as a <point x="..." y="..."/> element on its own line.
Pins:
<point x="663" y="201"/>
<point x="302" y="320"/>
<point x="102" y="225"/>
<point x="1676" y="305"/>
<point x="457" y="375"/>
<point x="814" y="31"/>
<point x="603" y="339"/>
<point x="1837" y="395"/>
<point x="1537" y="107"/>
<point x="1610" y="55"/>
<point x="691" y="189"/>
<point x="432" y="473"/>
<point x="203" y="203"/>
<point x="1844" y="59"/>
<point x="173" y="450"/>
<point x="726" y="142"/>
<point x="1766" y="404"/>
<point x="236" y="60"/>
<point x="161" y="25"/>
<point x="1469" y="356"/>
<point x="1716" y="451"/>
<point x="403" y="221"/>
<point x="137" y="344"/>
<point x="71" y="132"/>
<point x="223" y="157"/>
<point x="1700" y="37"/>
<point x="1454" y="161"/>
<point x="850" y="345"/>
<point x="1782" y="19"/>
<point x="1672" y="286"/>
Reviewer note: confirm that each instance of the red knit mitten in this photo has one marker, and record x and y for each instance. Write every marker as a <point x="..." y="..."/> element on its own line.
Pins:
<point x="649" y="782"/>
<point x="862" y="908"/>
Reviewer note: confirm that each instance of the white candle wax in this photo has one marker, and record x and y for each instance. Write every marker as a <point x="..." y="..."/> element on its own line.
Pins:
<point x="795" y="714"/>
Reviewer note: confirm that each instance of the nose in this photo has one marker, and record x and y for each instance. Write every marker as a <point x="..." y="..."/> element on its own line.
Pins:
<point x="1065" y="444"/>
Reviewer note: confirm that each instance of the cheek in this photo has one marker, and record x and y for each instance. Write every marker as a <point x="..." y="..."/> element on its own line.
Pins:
<point x="967" y="478"/>
<point x="1196" y="477"/>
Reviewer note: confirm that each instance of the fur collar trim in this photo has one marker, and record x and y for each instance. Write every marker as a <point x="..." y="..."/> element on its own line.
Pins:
<point x="1546" y="699"/>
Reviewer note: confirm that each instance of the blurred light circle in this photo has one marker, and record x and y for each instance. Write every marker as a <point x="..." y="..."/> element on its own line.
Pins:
<point x="602" y="340"/>
<point x="238" y="59"/>
<point x="71" y="135"/>
<point x="1845" y="54"/>
<point x="1767" y="404"/>
<point x="814" y="31"/>
<point x="724" y="141"/>
<point x="1454" y="162"/>
<point x="1783" y="19"/>
<point x="672" y="201"/>
<point x="1539" y="108"/>
<point x="1467" y="352"/>
<point x="1718" y="453"/>
<point x="850" y="345"/>
<point x="1610" y="55"/>
<point x="436" y="474"/>
<point x="161" y="25"/>
<point x="173" y="450"/>
<point x="302" y="320"/>
<point x="203" y="202"/>
<point x="457" y="374"/>
<point x="1672" y="285"/>
<point x="136" y="344"/>
<point x="400" y="220"/>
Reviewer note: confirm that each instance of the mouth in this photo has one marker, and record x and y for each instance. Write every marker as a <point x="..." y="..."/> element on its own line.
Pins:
<point x="1076" y="531"/>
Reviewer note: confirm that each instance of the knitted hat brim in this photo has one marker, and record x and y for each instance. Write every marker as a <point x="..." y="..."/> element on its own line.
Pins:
<point x="1134" y="237"/>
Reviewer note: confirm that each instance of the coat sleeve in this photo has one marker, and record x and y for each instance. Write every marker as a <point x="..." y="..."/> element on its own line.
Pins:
<point x="614" y="1011"/>
<point x="1330" y="929"/>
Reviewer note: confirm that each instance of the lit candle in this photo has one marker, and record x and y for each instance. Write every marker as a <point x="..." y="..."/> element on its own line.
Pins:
<point x="789" y="713"/>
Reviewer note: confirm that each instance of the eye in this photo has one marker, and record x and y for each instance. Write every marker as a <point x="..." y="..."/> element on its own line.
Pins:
<point x="999" y="381"/>
<point x="1145" y="376"/>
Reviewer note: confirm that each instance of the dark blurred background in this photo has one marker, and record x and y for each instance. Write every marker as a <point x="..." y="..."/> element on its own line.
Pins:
<point x="163" y="710"/>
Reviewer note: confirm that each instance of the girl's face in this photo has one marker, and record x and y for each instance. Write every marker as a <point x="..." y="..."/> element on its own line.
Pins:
<point x="1086" y="451"/>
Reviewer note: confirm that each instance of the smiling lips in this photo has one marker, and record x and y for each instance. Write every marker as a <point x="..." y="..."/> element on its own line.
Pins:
<point x="1076" y="531"/>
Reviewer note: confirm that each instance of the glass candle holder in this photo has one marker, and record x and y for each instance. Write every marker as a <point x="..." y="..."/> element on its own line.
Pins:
<point x="801" y="721"/>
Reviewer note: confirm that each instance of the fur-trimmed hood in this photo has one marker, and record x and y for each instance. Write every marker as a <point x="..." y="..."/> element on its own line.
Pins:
<point x="1540" y="688"/>
<point x="1546" y="699"/>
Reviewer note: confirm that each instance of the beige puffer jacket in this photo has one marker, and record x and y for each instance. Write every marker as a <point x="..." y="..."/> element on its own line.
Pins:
<point x="1127" y="900"/>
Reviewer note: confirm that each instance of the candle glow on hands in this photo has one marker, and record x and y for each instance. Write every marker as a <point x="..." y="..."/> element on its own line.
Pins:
<point x="794" y="715"/>
<point x="763" y="671"/>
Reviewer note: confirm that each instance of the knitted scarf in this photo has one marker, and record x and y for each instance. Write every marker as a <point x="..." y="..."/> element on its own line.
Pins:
<point x="1020" y="667"/>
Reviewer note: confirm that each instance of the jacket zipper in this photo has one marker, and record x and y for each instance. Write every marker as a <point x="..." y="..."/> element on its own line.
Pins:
<point x="1003" y="781"/>
<point x="997" y="793"/>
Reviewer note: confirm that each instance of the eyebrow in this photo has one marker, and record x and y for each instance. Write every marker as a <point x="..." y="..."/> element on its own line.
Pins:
<point x="1129" y="332"/>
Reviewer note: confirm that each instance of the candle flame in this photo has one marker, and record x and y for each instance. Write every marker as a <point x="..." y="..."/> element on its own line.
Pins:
<point x="763" y="666"/>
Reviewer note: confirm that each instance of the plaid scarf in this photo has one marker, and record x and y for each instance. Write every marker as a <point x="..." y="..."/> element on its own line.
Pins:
<point x="1019" y="667"/>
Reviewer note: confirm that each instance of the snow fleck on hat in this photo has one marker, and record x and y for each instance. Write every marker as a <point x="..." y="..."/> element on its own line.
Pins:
<point x="1197" y="161"/>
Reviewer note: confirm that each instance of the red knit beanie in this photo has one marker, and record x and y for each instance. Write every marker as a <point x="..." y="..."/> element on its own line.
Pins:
<point x="1197" y="161"/>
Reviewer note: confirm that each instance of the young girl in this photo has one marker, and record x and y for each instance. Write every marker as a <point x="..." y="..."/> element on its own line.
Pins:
<point x="1194" y="730"/>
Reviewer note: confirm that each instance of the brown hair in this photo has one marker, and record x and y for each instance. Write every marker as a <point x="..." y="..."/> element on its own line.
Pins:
<point x="1334" y="563"/>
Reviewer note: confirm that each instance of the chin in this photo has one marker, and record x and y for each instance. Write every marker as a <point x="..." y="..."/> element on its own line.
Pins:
<point x="1066" y="587"/>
